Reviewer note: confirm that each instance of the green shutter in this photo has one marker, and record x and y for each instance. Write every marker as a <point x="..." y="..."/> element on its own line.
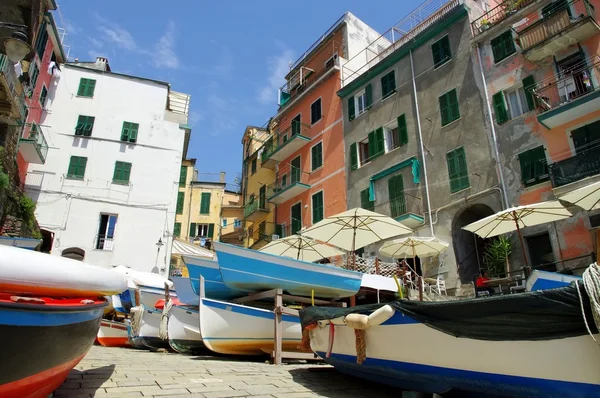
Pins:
<point x="500" y="108"/>
<point x="503" y="46"/>
<point x="452" y="171"/>
<point x="122" y="172"/>
<point x="351" y="108"/>
<point x="89" y="125"/>
<point x="528" y="85"/>
<point x="534" y="166"/>
<point x="388" y="84"/>
<point x="317" y="156"/>
<point x="183" y="176"/>
<point x="369" y="95"/>
<point x="125" y="131"/>
<point x="372" y="146"/>
<point x="279" y="230"/>
<point x="453" y="102"/>
<point x="317" y="207"/>
<point x="463" y="172"/>
<point x="365" y="202"/>
<point x="133" y="133"/>
<point x="444" y="109"/>
<point x="441" y="51"/>
<point x="396" y="196"/>
<point x="82" y="87"/>
<point x="118" y="171"/>
<point x="91" y="87"/>
<point x="353" y="157"/>
<point x="193" y="230"/>
<point x="211" y="230"/>
<point x="180" y="199"/>
<point x="402" y="130"/>
<point x="126" y="171"/>
<point x="76" y="167"/>
<point x="177" y="229"/>
<point x="379" y="142"/>
<point x="205" y="203"/>
<point x="80" y="125"/>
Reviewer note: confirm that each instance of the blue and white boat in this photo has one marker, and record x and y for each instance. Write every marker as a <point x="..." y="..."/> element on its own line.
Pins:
<point x="253" y="271"/>
<point x="213" y="283"/>
<point x="185" y="292"/>
<point x="543" y="280"/>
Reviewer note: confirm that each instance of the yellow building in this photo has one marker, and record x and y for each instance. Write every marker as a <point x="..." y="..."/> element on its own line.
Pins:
<point x="259" y="214"/>
<point x="232" y="212"/>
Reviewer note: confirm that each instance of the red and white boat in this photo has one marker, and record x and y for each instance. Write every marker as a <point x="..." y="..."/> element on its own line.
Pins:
<point x="113" y="334"/>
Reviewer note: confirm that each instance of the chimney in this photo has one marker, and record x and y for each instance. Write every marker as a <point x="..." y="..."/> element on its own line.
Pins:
<point x="222" y="176"/>
<point x="102" y="64"/>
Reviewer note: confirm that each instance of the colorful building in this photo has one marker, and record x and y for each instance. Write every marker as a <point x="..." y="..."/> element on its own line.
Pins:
<point x="188" y="173"/>
<point x="306" y="148"/>
<point x="232" y="213"/>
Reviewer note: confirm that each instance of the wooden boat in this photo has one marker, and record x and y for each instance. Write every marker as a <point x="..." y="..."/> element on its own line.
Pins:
<point x="33" y="273"/>
<point x="533" y="344"/>
<point x="253" y="271"/>
<point x="184" y="330"/>
<point x="213" y="283"/>
<point x="113" y="334"/>
<point x="42" y="340"/>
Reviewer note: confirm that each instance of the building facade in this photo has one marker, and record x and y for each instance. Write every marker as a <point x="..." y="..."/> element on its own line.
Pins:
<point x="187" y="174"/>
<point x="306" y="148"/>
<point x="204" y="203"/>
<point x="108" y="188"/>
<point x="232" y="214"/>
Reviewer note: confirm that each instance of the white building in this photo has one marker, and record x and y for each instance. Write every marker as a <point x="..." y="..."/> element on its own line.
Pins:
<point x="110" y="181"/>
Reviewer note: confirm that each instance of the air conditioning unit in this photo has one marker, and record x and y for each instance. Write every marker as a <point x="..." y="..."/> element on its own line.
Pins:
<point x="331" y="61"/>
<point x="274" y="237"/>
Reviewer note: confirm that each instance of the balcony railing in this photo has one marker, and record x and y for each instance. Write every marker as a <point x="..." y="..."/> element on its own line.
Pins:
<point x="33" y="145"/>
<point x="290" y="182"/>
<point x="104" y="242"/>
<point x="402" y="207"/>
<point x="256" y="205"/>
<point x="582" y="165"/>
<point x="286" y="141"/>
<point x="12" y="81"/>
<point x="498" y="14"/>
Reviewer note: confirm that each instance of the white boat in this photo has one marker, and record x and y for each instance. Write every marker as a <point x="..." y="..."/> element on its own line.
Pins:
<point x="113" y="334"/>
<point x="184" y="330"/>
<point x="149" y="329"/>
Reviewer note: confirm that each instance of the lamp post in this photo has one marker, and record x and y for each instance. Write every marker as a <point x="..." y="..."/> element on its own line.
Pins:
<point x="16" y="46"/>
<point x="159" y="244"/>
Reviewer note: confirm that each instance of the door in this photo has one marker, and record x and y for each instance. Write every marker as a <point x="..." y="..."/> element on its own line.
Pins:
<point x="296" y="123"/>
<point x="586" y="137"/>
<point x="296" y="218"/>
<point x="295" y="173"/>
<point x="262" y="197"/>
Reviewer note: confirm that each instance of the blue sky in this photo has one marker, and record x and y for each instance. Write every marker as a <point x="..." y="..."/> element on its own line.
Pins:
<point x="231" y="56"/>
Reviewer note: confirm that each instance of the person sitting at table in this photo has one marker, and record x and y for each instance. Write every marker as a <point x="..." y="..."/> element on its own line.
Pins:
<point x="480" y="283"/>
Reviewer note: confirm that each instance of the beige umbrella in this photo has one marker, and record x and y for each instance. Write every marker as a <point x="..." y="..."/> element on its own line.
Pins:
<point x="300" y="248"/>
<point x="413" y="246"/>
<point x="517" y="218"/>
<point x="588" y="197"/>
<point x="356" y="228"/>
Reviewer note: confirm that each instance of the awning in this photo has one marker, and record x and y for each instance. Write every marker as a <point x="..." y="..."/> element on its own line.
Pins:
<point x="181" y="248"/>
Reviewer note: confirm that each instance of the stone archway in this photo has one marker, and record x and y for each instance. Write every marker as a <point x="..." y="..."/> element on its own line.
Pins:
<point x="468" y="247"/>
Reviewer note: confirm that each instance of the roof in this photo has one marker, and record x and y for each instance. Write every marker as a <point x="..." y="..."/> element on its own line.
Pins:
<point x="74" y="65"/>
<point x="181" y="248"/>
<point x="208" y="183"/>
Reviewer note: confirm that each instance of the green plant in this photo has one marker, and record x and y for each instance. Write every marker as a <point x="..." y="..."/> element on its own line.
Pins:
<point x="496" y="254"/>
<point x="4" y="180"/>
<point x="27" y="207"/>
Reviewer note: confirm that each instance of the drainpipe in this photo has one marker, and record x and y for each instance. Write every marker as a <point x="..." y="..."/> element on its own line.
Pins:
<point x="494" y="139"/>
<point x="421" y="148"/>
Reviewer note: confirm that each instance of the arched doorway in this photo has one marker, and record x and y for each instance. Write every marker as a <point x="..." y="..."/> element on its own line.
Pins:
<point x="468" y="247"/>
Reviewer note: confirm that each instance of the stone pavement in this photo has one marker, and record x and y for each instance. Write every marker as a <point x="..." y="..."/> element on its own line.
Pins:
<point x="122" y="372"/>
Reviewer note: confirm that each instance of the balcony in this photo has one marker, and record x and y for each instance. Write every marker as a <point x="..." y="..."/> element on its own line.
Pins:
<point x="570" y="95"/>
<point x="32" y="145"/>
<point x="290" y="182"/>
<point x="558" y="30"/>
<point x="407" y="209"/>
<point x="262" y="234"/>
<point x="12" y="99"/>
<point x="256" y="210"/>
<point x="582" y="165"/>
<point x="286" y="142"/>
<point x="499" y="18"/>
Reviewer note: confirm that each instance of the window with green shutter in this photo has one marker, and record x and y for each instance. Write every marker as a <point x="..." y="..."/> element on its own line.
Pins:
<point x="43" y="96"/>
<point x="376" y="143"/>
<point x="85" y="125"/>
<point x="42" y="40"/>
<point x="86" y="87"/>
<point x="365" y="202"/>
<point x="122" y="172"/>
<point x="193" y="230"/>
<point x="351" y="108"/>
<point x="317" y="207"/>
<point x="396" y="194"/>
<point x="77" y="167"/>
<point x="441" y="51"/>
<point x="129" y="131"/>
<point x="180" y="200"/>
<point x="388" y="84"/>
<point x="253" y="166"/>
<point x="449" y="107"/>
<point x="457" y="170"/>
<point x="316" y="156"/>
<point x="183" y="176"/>
<point x="279" y="230"/>
<point x="353" y="157"/>
<point x="211" y="231"/>
<point x="534" y="166"/>
<point x="368" y="96"/>
<point x="177" y="230"/>
<point x="402" y="130"/>
<point x="528" y="86"/>
<point x="500" y="108"/>
<point x="34" y="73"/>
<point x="205" y="203"/>
<point x="503" y="46"/>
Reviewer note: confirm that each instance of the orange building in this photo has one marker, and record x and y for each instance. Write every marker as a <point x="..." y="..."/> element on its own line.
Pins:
<point x="307" y="149"/>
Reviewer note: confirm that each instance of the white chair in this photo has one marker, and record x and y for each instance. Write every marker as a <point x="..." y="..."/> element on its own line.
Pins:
<point x="439" y="287"/>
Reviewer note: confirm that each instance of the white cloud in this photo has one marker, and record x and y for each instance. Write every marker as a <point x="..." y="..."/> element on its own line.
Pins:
<point x="95" y="42"/>
<point x="278" y="67"/>
<point x="113" y="33"/>
<point x="165" y="56"/>
<point x="70" y="28"/>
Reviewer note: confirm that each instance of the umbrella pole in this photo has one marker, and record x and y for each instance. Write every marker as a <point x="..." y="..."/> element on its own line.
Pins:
<point x="522" y="244"/>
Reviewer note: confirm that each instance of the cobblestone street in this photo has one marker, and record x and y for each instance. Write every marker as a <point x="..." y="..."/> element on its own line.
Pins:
<point x="121" y="372"/>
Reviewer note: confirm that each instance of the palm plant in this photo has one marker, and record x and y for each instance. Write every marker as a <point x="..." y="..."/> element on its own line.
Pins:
<point x="496" y="254"/>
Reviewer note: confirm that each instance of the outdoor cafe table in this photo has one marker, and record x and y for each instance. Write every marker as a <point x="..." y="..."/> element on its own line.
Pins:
<point x="498" y="282"/>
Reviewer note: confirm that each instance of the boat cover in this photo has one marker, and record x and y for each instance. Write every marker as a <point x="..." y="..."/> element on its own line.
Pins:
<point x="540" y="315"/>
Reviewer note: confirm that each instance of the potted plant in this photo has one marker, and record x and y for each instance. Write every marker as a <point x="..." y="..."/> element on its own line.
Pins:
<point x="496" y="254"/>
<point x="484" y="25"/>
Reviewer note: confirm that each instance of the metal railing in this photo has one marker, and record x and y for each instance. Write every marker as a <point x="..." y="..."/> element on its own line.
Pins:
<point x="498" y="14"/>
<point x="33" y="132"/>
<point x="403" y="204"/>
<point x="8" y="70"/>
<point x="104" y="242"/>
<point x="254" y="206"/>
<point x="568" y="85"/>
<point x="287" y="176"/>
<point x="582" y="165"/>
<point x="282" y="137"/>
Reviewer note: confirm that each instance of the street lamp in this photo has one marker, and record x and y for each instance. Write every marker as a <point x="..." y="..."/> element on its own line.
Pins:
<point x="16" y="47"/>
<point x="158" y="244"/>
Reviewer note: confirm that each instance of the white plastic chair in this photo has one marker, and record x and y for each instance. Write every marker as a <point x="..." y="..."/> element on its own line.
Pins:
<point x="440" y="286"/>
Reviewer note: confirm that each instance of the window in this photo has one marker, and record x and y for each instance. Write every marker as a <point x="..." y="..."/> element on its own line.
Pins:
<point x="368" y="149"/>
<point x="279" y="230"/>
<point x="449" y="107"/>
<point x="106" y="232"/>
<point x="205" y="203"/>
<point x="262" y="197"/>
<point x="296" y="217"/>
<point x="180" y="199"/>
<point x="129" y="131"/>
<point x="86" y="88"/>
<point x="253" y="166"/>
<point x="122" y="172"/>
<point x="177" y="229"/>
<point x="534" y="166"/>
<point x="517" y="102"/>
<point x="363" y="152"/>
<point x="316" y="156"/>
<point x="457" y="170"/>
<point x="317" y="207"/>
<point x="224" y="223"/>
<point x="85" y="125"/>
<point x="262" y="227"/>
<point x="297" y="125"/>
<point x="396" y="134"/>
<point x="183" y="176"/>
<point x="237" y="223"/>
<point x="365" y="202"/>
<point x="500" y="108"/>
<point x="503" y="46"/>
<point x="388" y="84"/>
<point x="315" y="111"/>
<point x="540" y="252"/>
<point x="360" y="102"/>
<point x="594" y="220"/>
<point x="34" y="73"/>
<point x="43" y="96"/>
<point x="202" y="230"/>
<point x="77" y="167"/>
<point x="295" y="170"/>
<point x="396" y="194"/>
<point x="41" y="41"/>
<point x="441" y="52"/>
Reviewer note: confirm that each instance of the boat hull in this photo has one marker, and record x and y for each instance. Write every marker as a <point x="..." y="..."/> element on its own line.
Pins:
<point x="113" y="334"/>
<point x="234" y="329"/>
<point x="41" y="343"/>
<point x="253" y="271"/>
<point x="184" y="331"/>
<point x="214" y="287"/>
<point x="185" y="292"/>
<point x="543" y="280"/>
<point x="149" y="328"/>
<point x="435" y="362"/>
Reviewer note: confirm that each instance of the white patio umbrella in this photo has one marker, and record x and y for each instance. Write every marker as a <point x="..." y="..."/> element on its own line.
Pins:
<point x="413" y="246"/>
<point x="588" y="197"/>
<point x="517" y="218"/>
<point x="356" y="228"/>
<point x="300" y="248"/>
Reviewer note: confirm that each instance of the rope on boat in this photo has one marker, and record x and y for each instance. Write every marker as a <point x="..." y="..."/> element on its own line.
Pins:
<point x="361" y="345"/>
<point x="163" y="331"/>
<point x="591" y="282"/>
<point x="136" y="319"/>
